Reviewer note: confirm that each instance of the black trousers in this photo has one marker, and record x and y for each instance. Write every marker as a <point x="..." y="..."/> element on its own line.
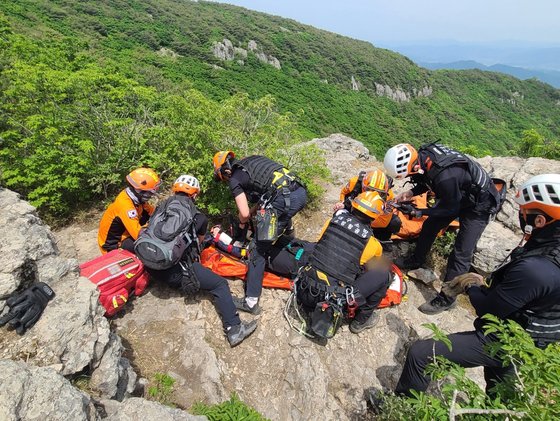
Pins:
<point x="467" y="351"/>
<point x="257" y="260"/>
<point x="472" y="227"/>
<point x="210" y="282"/>
<point x="384" y="234"/>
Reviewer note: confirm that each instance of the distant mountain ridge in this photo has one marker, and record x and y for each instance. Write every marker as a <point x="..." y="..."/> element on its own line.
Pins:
<point x="551" y="77"/>
<point x="528" y="56"/>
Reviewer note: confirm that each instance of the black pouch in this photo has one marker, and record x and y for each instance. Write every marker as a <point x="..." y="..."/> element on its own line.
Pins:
<point x="189" y="282"/>
<point x="326" y="319"/>
<point x="266" y="220"/>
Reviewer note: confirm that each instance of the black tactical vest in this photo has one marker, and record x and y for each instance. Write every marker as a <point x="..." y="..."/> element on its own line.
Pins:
<point x="338" y="252"/>
<point x="542" y="325"/>
<point x="435" y="158"/>
<point x="261" y="172"/>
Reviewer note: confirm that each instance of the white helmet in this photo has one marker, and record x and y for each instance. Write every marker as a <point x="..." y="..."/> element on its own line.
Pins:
<point x="399" y="160"/>
<point x="541" y="192"/>
<point x="187" y="184"/>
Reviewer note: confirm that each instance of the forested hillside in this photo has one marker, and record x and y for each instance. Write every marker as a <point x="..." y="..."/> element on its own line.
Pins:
<point x="106" y="83"/>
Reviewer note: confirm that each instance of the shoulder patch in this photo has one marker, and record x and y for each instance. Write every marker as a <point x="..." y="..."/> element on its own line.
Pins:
<point x="132" y="213"/>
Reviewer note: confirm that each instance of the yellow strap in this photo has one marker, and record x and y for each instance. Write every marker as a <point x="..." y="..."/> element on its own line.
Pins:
<point x="115" y="303"/>
<point x="123" y="298"/>
<point x="323" y="277"/>
<point x="128" y="275"/>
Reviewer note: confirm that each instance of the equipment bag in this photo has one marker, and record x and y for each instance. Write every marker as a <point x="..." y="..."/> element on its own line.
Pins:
<point x="117" y="274"/>
<point x="169" y="234"/>
<point x="326" y="319"/>
<point x="267" y="224"/>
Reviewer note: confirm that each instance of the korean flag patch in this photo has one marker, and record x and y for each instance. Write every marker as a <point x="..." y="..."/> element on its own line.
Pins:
<point x="132" y="213"/>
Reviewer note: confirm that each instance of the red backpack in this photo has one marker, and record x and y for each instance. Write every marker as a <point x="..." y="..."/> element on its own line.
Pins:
<point x="117" y="274"/>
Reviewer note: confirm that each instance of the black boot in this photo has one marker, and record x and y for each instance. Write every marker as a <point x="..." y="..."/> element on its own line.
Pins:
<point x="440" y="303"/>
<point x="242" y="305"/>
<point x="236" y="334"/>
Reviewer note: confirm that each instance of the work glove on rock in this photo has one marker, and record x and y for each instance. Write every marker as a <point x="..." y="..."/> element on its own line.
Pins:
<point x="460" y="284"/>
<point x="26" y="307"/>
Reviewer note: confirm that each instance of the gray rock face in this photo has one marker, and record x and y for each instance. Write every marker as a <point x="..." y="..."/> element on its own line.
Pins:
<point x="35" y="393"/>
<point x="114" y="377"/>
<point x="135" y="409"/>
<point x="355" y="84"/>
<point x="72" y="333"/>
<point x="400" y="95"/>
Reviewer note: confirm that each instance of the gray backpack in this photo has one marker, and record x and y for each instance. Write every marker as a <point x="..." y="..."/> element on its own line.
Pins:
<point x="170" y="235"/>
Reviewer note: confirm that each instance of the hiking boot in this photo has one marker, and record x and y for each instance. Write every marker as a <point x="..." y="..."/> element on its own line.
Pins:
<point x="238" y="333"/>
<point x="407" y="263"/>
<point x="440" y="303"/>
<point x="242" y="305"/>
<point x="375" y="397"/>
<point x="357" y="326"/>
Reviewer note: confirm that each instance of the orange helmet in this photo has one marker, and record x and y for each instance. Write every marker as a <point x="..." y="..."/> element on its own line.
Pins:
<point x="187" y="184"/>
<point x="144" y="179"/>
<point x="377" y="181"/>
<point x="399" y="160"/>
<point x="221" y="158"/>
<point x="541" y="193"/>
<point x="369" y="203"/>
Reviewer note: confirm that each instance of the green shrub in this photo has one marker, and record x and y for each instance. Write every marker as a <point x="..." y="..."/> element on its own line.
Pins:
<point x="533" y="393"/>
<point x="161" y="389"/>
<point x="233" y="409"/>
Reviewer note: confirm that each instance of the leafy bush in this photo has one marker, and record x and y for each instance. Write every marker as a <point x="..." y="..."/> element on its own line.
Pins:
<point x="532" y="393"/>
<point x="161" y="388"/>
<point x="234" y="409"/>
<point x="71" y="130"/>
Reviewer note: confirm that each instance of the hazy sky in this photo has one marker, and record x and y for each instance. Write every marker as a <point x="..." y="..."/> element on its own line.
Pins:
<point x="400" y="21"/>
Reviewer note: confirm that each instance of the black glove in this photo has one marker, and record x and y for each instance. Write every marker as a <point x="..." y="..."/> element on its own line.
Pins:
<point x="240" y="233"/>
<point x="406" y="208"/>
<point x="26" y="308"/>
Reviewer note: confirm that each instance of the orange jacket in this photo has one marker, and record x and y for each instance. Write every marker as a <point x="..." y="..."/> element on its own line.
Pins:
<point x="122" y="219"/>
<point x="380" y="222"/>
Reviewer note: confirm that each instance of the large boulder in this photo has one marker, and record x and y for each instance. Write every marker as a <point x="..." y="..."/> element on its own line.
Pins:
<point x="72" y="334"/>
<point x="39" y="393"/>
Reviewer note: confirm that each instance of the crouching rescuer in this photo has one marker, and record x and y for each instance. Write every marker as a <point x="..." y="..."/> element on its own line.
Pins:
<point x="344" y="277"/>
<point x="277" y="196"/>
<point x="169" y="248"/>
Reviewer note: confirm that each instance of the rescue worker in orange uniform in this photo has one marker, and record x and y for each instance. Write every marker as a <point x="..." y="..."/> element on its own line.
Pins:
<point x="384" y="225"/>
<point x="123" y="219"/>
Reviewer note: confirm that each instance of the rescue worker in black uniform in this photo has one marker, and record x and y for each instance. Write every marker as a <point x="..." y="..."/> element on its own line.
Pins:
<point x="525" y="289"/>
<point x="463" y="190"/>
<point x="341" y="263"/>
<point x="262" y="182"/>
<point x="190" y="276"/>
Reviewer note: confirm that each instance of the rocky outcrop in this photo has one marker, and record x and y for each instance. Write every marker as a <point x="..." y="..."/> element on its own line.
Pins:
<point x="355" y="84"/>
<point x="37" y="393"/>
<point x="225" y="51"/>
<point x="400" y="95"/>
